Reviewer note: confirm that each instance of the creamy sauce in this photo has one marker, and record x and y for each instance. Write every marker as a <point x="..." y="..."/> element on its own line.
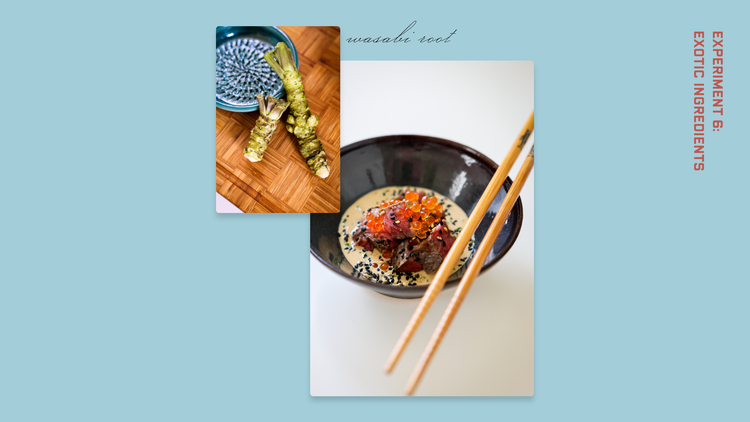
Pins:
<point x="363" y="260"/>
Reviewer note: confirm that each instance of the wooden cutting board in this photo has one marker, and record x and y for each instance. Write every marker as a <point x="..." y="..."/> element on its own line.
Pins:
<point x="282" y="182"/>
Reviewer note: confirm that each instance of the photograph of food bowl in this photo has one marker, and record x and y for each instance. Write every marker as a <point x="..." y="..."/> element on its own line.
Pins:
<point x="420" y="196"/>
<point x="401" y="163"/>
<point x="277" y="119"/>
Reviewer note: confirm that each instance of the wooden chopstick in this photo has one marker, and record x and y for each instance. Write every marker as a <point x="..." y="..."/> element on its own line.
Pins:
<point x="472" y="271"/>
<point x="450" y="260"/>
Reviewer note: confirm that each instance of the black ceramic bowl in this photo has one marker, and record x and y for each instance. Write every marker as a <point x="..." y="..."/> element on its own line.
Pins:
<point x="452" y="169"/>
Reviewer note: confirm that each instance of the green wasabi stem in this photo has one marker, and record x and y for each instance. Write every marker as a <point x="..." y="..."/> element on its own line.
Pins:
<point x="270" y="112"/>
<point x="301" y="122"/>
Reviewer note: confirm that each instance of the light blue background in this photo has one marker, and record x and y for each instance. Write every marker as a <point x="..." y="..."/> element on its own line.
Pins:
<point x="124" y="296"/>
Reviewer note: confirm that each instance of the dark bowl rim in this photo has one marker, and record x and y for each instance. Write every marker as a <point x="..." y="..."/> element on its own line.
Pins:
<point x="249" y="109"/>
<point x="518" y="207"/>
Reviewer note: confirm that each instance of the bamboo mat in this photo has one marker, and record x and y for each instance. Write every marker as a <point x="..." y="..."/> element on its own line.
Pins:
<point x="282" y="182"/>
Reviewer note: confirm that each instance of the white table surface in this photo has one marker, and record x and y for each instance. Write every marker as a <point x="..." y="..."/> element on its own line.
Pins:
<point x="489" y="348"/>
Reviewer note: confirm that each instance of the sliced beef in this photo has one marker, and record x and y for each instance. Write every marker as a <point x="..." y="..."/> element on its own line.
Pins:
<point x="368" y="240"/>
<point x="414" y="255"/>
<point x="442" y="235"/>
<point x="361" y="240"/>
<point x="404" y="258"/>
<point x="398" y="228"/>
<point x="382" y="241"/>
<point x="359" y="237"/>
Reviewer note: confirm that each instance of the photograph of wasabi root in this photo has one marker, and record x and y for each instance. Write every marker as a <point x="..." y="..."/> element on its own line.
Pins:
<point x="301" y="122"/>
<point x="271" y="110"/>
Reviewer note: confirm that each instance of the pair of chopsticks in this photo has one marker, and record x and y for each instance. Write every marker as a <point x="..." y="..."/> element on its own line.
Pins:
<point x="454" y="254"/>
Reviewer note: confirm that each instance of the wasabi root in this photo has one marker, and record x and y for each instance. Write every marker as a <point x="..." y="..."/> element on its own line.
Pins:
<point x="301" y="122"/>
<point x="270" y="112"/>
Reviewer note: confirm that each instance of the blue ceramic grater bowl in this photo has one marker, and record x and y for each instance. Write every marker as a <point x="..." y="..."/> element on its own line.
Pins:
<point x="241" y="71"/>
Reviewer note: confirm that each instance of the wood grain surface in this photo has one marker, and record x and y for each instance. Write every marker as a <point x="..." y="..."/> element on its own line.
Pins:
<point x="282" y="182"/>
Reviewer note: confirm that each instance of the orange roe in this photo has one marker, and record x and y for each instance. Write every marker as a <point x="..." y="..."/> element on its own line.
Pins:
<point x="375" y="221"/>
<point x="387" y="254"/>
<point x="429" y="202"/>
<point x="384" y="266"/>
<point x="424" y="214"/>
